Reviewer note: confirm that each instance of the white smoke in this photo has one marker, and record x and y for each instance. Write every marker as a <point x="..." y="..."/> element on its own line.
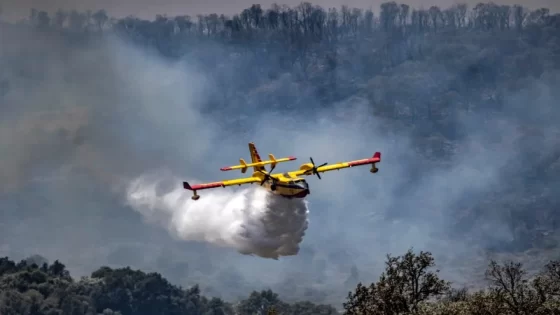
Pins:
<point x="253" y="221"/>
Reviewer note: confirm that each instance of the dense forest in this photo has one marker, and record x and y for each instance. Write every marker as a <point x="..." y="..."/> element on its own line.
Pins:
<point x="435" y="75"/>
<point x="409" y="285"/>
<point x="33" y="286"/>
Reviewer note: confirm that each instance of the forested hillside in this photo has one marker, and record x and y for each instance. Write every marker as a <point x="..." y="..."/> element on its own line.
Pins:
<point x="409" y="285"/>
<point x="33" y="286"/>
<point x="476" y="84"/>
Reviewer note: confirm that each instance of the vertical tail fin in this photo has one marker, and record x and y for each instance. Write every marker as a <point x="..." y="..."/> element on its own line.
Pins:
<point x="255" y="157"/>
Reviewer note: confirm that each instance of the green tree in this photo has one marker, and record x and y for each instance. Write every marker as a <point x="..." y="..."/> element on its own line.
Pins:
<point x="406" y="282"/>
<point x="259" y="303"/>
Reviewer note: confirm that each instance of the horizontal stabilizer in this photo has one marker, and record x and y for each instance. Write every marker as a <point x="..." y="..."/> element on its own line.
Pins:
<point x="243" y="166"/>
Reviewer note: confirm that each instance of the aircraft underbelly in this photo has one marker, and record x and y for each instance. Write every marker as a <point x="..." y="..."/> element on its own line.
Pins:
<point x="290" y="192"/>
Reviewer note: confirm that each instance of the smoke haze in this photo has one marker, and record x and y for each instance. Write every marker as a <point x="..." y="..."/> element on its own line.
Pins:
<point x="96" y="140"/>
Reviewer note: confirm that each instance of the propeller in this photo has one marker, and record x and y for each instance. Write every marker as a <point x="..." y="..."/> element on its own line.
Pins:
<point x="267" y="176"/>
<point x="314" y="169"/>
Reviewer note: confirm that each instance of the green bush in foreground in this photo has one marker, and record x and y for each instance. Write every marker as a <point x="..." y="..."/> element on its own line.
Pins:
<point x="408" y="286"/>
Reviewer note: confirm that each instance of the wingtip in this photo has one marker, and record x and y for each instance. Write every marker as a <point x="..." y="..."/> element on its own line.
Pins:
<point x="377" y="155"/>
<point x="187" y="186"/>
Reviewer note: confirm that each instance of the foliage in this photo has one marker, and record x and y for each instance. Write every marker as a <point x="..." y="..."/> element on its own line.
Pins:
<point x="409" y="285"/>
<point x="406" y="287"/>
<point x="49" y="289"/>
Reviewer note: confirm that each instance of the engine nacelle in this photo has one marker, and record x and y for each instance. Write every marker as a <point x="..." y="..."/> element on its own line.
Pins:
<point x="374" y="169"/>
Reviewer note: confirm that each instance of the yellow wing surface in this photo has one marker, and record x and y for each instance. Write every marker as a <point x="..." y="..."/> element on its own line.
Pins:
<point x="310" y="169"/>
<point x="260" y="173"/>
<point x="258" y="166"/>
<point x="305" y="169"/>
<point x="224" y="183"/>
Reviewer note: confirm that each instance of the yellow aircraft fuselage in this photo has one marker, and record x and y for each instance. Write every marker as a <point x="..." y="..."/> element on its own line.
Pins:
<point x="287" y="187"/>
<point x="289" y="184"/>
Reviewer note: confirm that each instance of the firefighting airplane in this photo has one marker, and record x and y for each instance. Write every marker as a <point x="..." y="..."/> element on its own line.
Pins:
<point x="290" y="184"/>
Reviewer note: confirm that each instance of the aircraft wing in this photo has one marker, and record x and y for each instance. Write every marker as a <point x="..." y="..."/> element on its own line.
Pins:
<point x="376" y="158"/>
<point x="225" y="183"/>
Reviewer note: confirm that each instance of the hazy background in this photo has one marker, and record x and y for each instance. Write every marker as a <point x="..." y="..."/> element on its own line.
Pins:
<point x="80" y="121"/>
<point x="15" y="9"/>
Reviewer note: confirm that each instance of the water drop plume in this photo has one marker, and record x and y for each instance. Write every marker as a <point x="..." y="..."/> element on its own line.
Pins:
<point x="252" y="220"/>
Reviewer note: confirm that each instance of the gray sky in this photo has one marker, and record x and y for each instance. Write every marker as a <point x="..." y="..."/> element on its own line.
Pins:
<point x="149" y="8"/>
